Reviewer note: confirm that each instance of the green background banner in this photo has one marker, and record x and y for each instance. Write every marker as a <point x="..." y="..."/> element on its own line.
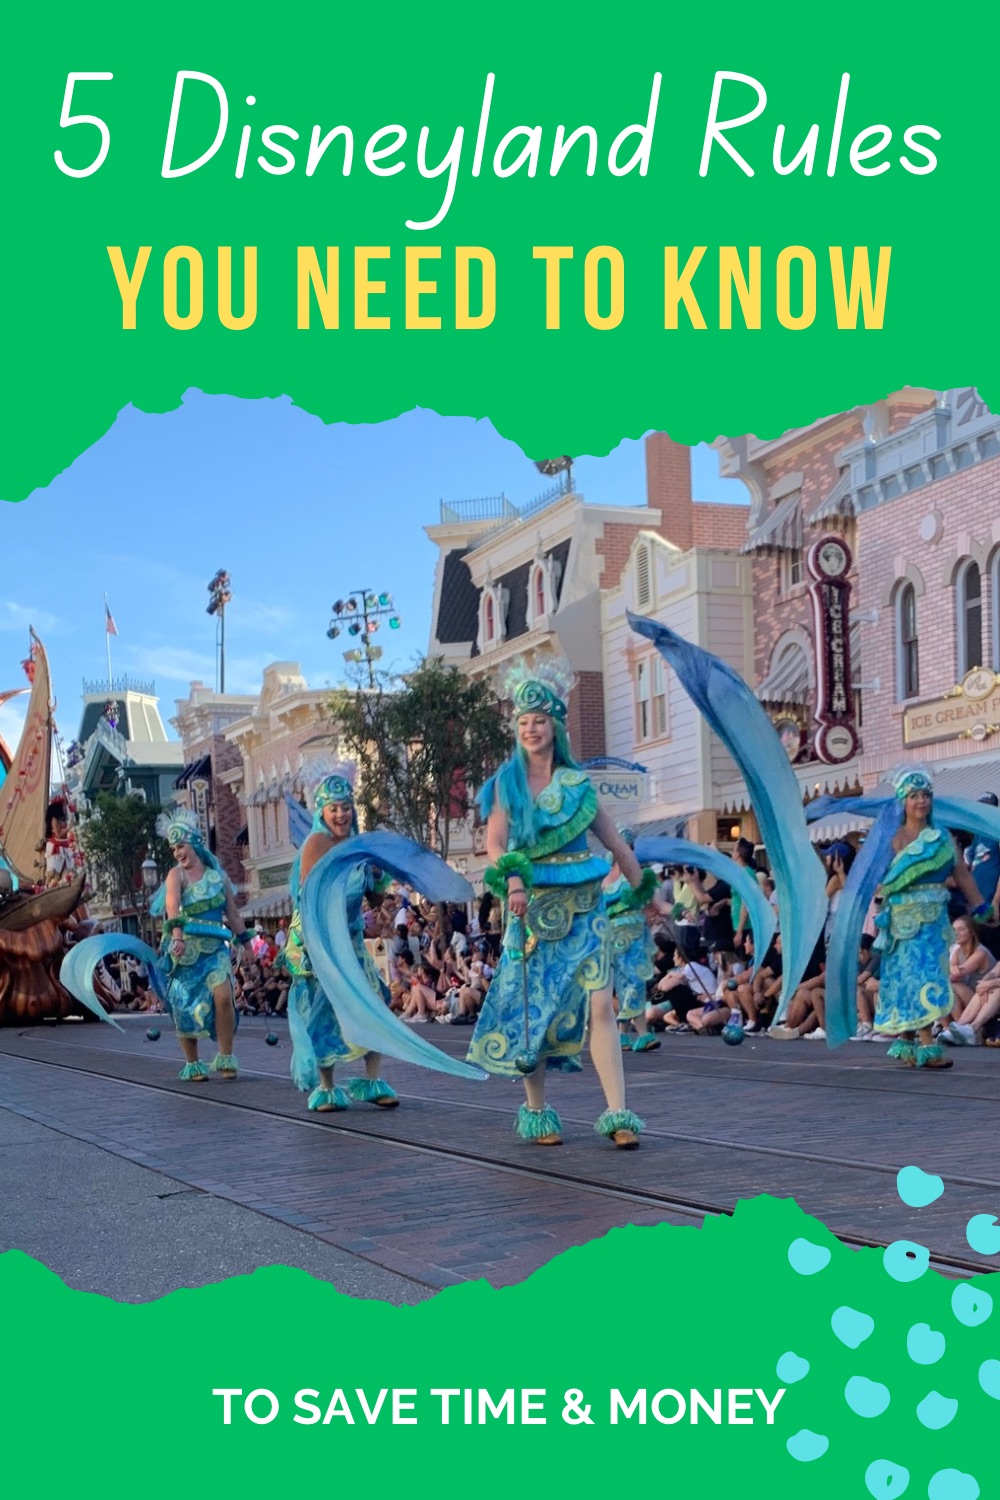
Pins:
<point x="112" y="1379"/>
<point x="70" y="367"/>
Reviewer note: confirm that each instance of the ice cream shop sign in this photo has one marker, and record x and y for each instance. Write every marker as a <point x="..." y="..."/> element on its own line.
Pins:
<point x="970" y="712"/>
<point x="620" y="785"/>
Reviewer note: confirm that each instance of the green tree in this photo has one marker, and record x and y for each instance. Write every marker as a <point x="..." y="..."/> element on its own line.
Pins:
<point x="117" y="836"/>
<point x="424" y="743"/>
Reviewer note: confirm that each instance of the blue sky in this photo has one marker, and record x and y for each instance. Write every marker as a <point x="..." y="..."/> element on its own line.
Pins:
<point x="299" y="513"/>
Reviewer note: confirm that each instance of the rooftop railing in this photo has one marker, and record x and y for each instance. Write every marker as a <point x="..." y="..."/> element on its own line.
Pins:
<point x="486" y="508"/>
<point x="124" y="684"/>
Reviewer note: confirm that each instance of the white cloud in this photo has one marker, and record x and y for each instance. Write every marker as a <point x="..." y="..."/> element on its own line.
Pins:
<point x="20" y="616"/>
<point x="12" y="720"/>
<point x="264" y="616"/>
<point x="169" y="664"/>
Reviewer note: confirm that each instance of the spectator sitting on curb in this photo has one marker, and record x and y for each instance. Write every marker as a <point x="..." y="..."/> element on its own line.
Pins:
<point x="688" y="986"/>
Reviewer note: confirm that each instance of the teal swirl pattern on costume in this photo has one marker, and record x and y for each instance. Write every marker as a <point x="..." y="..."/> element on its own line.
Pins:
<point x="632" y="950"/>
<point x="914" y="935"/>
<point x="568" y="952"/>
<point x="205" y="963"/>
<point x="316" y="1035"/>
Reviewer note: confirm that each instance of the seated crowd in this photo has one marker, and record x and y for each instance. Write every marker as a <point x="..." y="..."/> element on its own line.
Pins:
<point x="438" y="962"/>
<point x="707" y="976"/>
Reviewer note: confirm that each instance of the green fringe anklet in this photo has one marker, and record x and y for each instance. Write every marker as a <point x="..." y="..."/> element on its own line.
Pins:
<point x="933" y="1057"/>
<point x="226" y="1064"/>
<point x="905" y="1051"/>
<point x="372" y="1091"/>
<point x="538" y="1125"/>
<point x="614" y="1120"/>
<point x="645" y="1043"/>
<point x="324" y="1100"/>
<point x="195" y="1072"/>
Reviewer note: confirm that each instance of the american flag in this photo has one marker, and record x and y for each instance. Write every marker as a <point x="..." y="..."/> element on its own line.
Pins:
<point x="109" y="624"/>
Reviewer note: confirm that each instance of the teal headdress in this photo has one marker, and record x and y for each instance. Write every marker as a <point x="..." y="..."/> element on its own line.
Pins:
<point x="178" y="825"/>
<point x="325" y="781"/>
<point x="539" y="687"/>
<point x="911" y="779"/>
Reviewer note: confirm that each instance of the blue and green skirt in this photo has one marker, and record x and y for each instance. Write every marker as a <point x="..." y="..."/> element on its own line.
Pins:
<point x="914" y="940"/>
<point x="567" y="959"/>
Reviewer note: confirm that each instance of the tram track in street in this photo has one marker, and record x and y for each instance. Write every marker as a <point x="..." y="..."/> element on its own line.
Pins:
<point x="557" y="1168"/>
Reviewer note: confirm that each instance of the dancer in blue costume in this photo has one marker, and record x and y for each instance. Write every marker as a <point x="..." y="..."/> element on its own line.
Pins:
<point x="202" y="921"/>
<point x="914" y="933"/>
<point x="632" y="950"/>
<point x="556" y="961"/>
<point x="318" y="1041"/>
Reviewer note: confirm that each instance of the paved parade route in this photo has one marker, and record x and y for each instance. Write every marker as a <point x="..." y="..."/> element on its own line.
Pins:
<point x="116" y="1175"/>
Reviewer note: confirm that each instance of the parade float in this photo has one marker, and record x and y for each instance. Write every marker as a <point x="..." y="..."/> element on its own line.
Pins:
<point x="41" y="881"/>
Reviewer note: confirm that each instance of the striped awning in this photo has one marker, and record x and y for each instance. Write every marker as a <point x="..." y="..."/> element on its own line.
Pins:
<point x="836" y="826"/>
<point x="838" y="505"/>
<point x="193" y="770"/>
<point x="277" y="905"/>
<point x="971" y="781"/>
<point x="788" y="679"/>
<point x="781" y="531"/>
<point x="663" y="828"/>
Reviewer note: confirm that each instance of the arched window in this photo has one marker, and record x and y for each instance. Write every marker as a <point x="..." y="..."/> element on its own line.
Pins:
<point x="489" y="619"/>
<point x="969" y="617"/>
<point x="538" y="592"/>
<point x="907" y="645"/>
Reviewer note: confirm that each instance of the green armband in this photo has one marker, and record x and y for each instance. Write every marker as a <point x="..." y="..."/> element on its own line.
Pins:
<point x="243" y="937"/>
<point x="495" y="877"/>
<point x="641" y="895"/>
<point x="174" y="924"/>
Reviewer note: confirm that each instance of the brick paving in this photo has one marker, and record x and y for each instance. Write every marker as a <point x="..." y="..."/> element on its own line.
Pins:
<point x="441" y="1191"/>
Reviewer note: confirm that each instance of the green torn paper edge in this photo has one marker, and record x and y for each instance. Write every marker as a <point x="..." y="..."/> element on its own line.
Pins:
<point x="591" y="1319"/>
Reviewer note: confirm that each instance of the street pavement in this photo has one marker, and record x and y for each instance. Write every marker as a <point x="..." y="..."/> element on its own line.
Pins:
<point x="126" y="1182"/>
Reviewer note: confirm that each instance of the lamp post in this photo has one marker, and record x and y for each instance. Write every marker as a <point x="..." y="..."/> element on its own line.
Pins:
<point x="221" y="591"/>
<point x="360" y="615"/>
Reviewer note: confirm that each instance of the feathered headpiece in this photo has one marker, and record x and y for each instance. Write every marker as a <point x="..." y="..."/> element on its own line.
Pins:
<point x="328" y="780"/>
<point x="907" y="779"/>
<point x="539" y="687"/>
<point x="178" y="825"/>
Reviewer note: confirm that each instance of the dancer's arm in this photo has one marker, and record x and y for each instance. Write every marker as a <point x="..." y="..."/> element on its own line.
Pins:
<point x="236" y="925"/>
<point x="603" y="828"/>
<point x="172" y="904"/>
<point x="497" y="837"/>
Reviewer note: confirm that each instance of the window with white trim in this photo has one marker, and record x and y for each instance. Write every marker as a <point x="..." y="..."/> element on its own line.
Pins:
<point x="792" y="571"/>
<point x="538" y="593"/>
<point x="489" y="619"/>
<point x="642" y="703"/>
<point x="969" y="617"/>
<point x="995" y="608"/>
<point x="907" y="644"/>
<point x="660" y="719"/>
